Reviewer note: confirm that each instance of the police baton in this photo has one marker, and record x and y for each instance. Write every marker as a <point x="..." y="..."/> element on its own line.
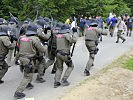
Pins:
<point x="73" y="49"/>
<point x="36" y="16"/>
<point x="13" y="16"/>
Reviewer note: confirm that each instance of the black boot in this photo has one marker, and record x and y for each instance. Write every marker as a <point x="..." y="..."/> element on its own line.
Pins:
<point x="53" y="71"/>
<point x="16" y="62"/>
<point x="1" y="81"/>
<point x="101" y="39"/>
<point x="57" y="84"/>
<point x="86" y="72"/>
<point x="64" y="82"/>
<point x="40" y="80"/>
<point x="123" y="40"/>
<point x="29" y="86"/>
<point x="116" y="41"/>
<point x="19" y="95"/>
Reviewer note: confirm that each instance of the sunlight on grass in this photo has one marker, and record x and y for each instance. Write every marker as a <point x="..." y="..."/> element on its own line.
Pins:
<point x="128" y="63"/>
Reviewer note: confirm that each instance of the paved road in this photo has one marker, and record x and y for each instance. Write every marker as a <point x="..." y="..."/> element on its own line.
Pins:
<point x="109" y="51"/>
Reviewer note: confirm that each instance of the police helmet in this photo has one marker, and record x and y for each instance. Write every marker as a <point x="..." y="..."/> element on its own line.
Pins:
<point x="13" y="20"/>
<point x="42" y="23"/>
<point x="2" y="21"/>
<point x="40" y="18"/>
<point x="59" y="24"/>
<point x="4" y="30"/>
<point x="65" y="26"/>
<point x="3" y="33"/>
<point x="27" y="21"/>
<point x="47" y="19"/>
<point x="31" y="29"/>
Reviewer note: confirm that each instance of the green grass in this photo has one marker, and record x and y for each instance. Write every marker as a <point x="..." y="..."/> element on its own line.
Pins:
<point x="128" y="64"/>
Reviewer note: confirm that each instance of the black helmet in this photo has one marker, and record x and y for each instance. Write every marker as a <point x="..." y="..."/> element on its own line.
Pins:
<point x="47" y="19"/>
<point x="42" y="23"/>
<point x="40" y="18"/>
<point x="2" y="21"/>
<point x="31" y="29"/>
<point x="13" y="20"/>
<point x="4" y="30"/>
<point x="65" y="26"/>
<point x="64" y="31"/>
<point x="27" y="21"/>
<point x="59" y="24"/>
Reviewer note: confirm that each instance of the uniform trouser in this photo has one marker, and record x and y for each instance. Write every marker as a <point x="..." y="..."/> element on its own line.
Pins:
<point x="27" y="78"/>
<point x="119" y="35"/>
<point x="51" y="59"/>
<point x="4" y="69"/>
<point x="112" y="29"/>
<point x="9" y="56"/>
<point x="40" y="65"/>
<point x="50" y="62"/>
<point x="92" y="48"/>
<point x="60" y="60"/>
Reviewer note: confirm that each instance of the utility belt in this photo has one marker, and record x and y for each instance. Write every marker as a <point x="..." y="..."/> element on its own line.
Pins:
<point x="96" y="41"/>
<point x="89" y="40"/>
<point x="63" y="53"/>
<point x="69" y="61"/>
<point x="29" y="67"/>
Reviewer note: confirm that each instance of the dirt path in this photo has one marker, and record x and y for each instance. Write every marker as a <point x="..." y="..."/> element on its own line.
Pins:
<point x="114" y="84"/>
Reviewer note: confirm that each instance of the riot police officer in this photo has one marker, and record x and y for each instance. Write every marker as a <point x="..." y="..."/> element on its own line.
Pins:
<point x="44" y="34"/>
<point x="91" y="40"/>
<point x="24" y="27"/>
<point x="52" y="47"/>
<point x="13" y="24"/>
<point x="64" y="40"/>
<point x="29" y="46"/>
<point x="5" y="46"/>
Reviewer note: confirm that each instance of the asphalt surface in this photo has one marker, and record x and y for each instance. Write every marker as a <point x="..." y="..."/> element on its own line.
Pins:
<point x="108" y="51"/>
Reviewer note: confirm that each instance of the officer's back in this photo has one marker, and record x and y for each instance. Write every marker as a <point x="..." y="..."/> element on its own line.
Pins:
<point x="30" y="44"/>
<point x="64" y="40"/>
<point x="4" y="39"/>
<point x="92" y="33"/>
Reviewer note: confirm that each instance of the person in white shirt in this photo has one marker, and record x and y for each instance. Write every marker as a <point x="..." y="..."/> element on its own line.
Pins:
<point x="74" y="26"/>
<point x="121" y="26"/>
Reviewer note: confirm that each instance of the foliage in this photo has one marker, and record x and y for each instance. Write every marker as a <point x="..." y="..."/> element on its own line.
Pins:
<point x="62" y="9"/>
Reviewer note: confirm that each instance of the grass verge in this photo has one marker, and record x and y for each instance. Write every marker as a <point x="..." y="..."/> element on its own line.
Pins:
<point x="128" y="64"/>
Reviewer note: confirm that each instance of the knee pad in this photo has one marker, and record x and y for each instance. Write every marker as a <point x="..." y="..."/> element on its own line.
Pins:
<point x="92" y="56"/>
<point x="96" y="51"/>
<point x="69" y="62"/>
<point x="40" y="58"/>
<point x="28" y="68"/>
